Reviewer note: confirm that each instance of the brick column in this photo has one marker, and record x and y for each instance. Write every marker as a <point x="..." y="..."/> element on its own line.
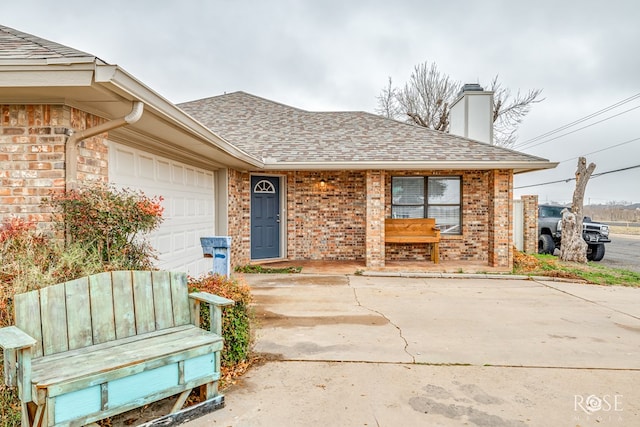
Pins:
<point x="500" y="218"/>
<point x="374" y="254"/>
<point x="530" y="220"/>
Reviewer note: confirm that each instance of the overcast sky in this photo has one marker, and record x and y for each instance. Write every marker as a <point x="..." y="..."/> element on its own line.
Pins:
<point x="335" y="55"/>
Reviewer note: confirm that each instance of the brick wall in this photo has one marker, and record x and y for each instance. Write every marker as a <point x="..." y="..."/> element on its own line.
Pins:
<point x="32" y="156"/>
<point x="93" y="153"/>
<point x="326" y="222"/>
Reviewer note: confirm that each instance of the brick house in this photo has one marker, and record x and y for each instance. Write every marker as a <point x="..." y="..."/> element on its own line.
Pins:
<point x="284" y="183"/>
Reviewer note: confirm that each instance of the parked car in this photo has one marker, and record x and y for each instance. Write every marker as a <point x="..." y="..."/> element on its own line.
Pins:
<point x="596" y="234"/>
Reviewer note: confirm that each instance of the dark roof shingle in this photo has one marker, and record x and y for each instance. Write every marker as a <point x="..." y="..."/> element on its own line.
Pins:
<point x="18" y="45"/>
<point x="280" y="133"/>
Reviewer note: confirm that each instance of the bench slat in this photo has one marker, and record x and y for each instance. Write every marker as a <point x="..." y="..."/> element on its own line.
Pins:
<point x="123" y="310"/>
<point x="143" y="301"/>
<point x="180" y="298"/>
<point x="162" y="299"/>
<point x="103" y="322"/>
<point x="411" y="239"/>
<point x="78" y="313"/>
<point x="113" y="344"/>
<point x="54" y="319"/>
<point x="27" y="310"/>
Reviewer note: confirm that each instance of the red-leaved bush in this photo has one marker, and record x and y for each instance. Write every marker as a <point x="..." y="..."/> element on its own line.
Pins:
<point x="111" y="221"/>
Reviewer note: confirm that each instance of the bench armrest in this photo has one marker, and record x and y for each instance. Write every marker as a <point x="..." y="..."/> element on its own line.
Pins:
<point x="13" y="338"/>
<point x="211" y="299"/>
<point x="17" y="359"/>
<point x="215" y="303"/>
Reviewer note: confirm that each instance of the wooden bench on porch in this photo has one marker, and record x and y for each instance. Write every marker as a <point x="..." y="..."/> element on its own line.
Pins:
<point x="414" y="230"/>
<point x="101" y="345"/>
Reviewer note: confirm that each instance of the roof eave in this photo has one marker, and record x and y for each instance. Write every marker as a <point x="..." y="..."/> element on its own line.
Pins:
<point x="119" y="80"/>
<point x="92" y="74"/>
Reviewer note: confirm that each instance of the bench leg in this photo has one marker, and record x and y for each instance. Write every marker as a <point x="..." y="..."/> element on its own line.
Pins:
<point x="209" y="390"/>
<point x="28" y="413"/>
<point x="25" y="418"/>
<point x="40" y="417"/>
<point x="180" y="402"/>
<point x="435" y="253"/>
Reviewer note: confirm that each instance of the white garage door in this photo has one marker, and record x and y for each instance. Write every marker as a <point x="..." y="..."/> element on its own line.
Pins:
<point x="189" y="199"/>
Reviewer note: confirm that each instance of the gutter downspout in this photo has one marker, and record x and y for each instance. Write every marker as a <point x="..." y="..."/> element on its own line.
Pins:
<point x="71" y="148"/>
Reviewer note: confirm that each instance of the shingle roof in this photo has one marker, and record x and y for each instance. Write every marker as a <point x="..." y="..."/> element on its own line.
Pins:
<point x="280" y="133"/>
<point x="18" y="45"/>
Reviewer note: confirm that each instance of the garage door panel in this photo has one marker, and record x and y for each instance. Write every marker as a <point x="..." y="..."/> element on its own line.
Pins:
<point x="164" y="171"/>
<point x="125" y="162"/>
<point x="188" y="201"/>
<point x="145" y="167"/>
<point x="178" y="175"/>
<point x="162" y="243"/>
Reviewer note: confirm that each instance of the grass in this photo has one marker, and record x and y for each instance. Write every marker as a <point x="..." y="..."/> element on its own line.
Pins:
<point x="620" y="229"/>
<point x="259" y="269"/>
<point x="592" y="272"/>
<point x="9" y="407"/>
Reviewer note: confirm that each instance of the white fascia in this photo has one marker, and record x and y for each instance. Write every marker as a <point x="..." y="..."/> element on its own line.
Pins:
<point x="39" y="74"/>
<point x="518" y="167"/>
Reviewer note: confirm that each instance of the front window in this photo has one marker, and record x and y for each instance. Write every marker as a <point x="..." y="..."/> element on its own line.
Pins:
<point x="428" y="197"/>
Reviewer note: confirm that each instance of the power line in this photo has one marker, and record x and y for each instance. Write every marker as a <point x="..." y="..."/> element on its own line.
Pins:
<point x="579" y="129"/>
<point x="604" y="110"/>
<point x="603" y="149"/>
<point x="595" y="175"/>
<point x="575" y="122"/>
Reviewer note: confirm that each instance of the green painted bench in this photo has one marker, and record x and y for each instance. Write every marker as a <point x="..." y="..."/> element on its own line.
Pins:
<point x="101" y="345"/>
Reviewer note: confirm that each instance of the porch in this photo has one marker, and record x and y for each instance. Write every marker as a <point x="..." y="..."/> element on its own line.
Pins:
<point x="341" y="215"/>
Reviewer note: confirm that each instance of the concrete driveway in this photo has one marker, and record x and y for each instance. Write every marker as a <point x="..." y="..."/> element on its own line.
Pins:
<point x="390" y="351"/>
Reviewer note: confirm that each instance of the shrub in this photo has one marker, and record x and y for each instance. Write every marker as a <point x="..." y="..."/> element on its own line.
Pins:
<point x="236" y="319"/>
<point x="111" y="222"/>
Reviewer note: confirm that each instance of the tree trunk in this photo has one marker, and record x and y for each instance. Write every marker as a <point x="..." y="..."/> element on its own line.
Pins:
<point x="573" y="246"/>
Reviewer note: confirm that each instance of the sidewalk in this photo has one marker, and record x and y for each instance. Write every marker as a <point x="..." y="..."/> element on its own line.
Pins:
<point x="388" y="351"/>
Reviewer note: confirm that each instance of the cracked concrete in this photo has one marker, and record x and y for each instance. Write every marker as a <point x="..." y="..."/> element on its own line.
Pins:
<point x="406" y="343"/>
<point x="388" y="351"/>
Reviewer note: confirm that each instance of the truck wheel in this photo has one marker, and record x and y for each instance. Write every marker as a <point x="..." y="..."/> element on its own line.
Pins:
<point x="596" y="252"/>
<point x="546" y="245"/>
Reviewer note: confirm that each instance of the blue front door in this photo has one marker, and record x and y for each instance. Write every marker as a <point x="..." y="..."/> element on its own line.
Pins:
<point x="265" y="217"/>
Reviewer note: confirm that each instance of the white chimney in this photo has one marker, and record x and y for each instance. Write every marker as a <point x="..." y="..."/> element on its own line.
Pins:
<point x="471" y="115"/>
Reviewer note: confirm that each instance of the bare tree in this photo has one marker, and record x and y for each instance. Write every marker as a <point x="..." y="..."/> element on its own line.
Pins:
<point x="573" y="247"/>
<point x="387" y="106"/>
<point x="508" y="111"/>
<point x="426" y="98"/>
